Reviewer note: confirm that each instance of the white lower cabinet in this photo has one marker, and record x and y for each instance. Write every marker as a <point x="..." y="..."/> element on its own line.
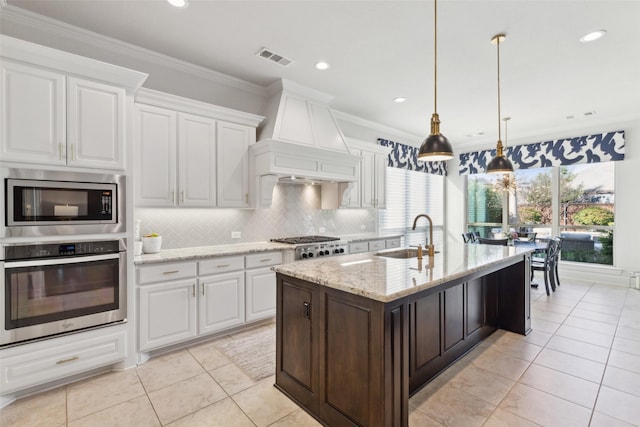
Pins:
<point x="261" y="293"/>
<point x="183" y="300"/>
<point x="34" y="364"/>
<point x="167" y="313"/>
<point x="221" y="303"/>
<point x="374" y="245"/>
<point x="261" y="285"/>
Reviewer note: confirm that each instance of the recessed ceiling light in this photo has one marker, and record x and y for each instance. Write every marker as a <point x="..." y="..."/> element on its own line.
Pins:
<point x="399" y="99"/>
<point x="178" y="3"/>
<point x="322" y="65"/>
<point x="594" y="35"/>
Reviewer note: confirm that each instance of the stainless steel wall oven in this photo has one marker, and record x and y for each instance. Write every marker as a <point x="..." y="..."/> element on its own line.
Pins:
<point x="53" y="288"/>
<point x="40" y="203"/>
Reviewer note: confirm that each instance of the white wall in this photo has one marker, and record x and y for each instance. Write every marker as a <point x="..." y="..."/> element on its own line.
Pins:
<point x="627" y="223"/>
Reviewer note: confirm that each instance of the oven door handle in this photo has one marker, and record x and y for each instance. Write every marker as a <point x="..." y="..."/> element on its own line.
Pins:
<point x="59" y="261"/>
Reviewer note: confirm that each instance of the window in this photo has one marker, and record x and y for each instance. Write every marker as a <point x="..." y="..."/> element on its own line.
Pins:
<point x="587" y="212"/>
<point x="575" y="202"/>
<point x="408" y="194"/>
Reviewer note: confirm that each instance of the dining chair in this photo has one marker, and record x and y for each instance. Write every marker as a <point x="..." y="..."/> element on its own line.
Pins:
<point x="469" y="237"/>
<point x="527" y="236"/>
<point x="498" y="242"/>
<point x="548" y="264"/>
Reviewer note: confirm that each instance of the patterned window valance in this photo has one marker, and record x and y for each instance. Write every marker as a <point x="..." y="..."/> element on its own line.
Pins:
<point x="404" y="156"/>
<point x="602" y="147"/>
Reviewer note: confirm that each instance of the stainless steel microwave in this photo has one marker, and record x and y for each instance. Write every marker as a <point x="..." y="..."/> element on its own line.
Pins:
<point x="54" y="203"/>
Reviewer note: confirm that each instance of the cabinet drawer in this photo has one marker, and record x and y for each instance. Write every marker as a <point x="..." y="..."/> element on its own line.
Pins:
<point x="376" y="245"/>
<point x="220" y="265"/>
<point x="264" y="259"/>
<point x="34" y="364"/>
<point x="356" y="248"/>
<point x="166" y="271"/>
<point x="394" y="243"/>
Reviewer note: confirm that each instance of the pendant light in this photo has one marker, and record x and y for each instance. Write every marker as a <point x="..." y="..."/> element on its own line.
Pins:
<point x="499" y="164"/>
<point x="436" y="146"/>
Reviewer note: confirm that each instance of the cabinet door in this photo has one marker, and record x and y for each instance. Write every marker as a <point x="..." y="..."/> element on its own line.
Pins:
<point x="155" y="142"/>
<point x="367" y="183"/>
<point x="95" y="124"/>
<point x="221" y="302"/>
<point x="233" y="165"/>
<point x="167" y="313"/>
<point x="380" y="179"/>
<point x="32" y="103"/>
<point x="297" y="347"/>
<point x="197" y="160"/>
<point x="353" y="194"/>
<point x="261" y="293"/>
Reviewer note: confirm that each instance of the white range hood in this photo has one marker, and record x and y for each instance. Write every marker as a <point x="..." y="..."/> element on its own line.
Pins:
<point x="300" y="141"/>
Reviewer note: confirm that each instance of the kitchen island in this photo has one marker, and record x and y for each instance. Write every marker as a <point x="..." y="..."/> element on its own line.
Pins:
<point x="357" y="335"/>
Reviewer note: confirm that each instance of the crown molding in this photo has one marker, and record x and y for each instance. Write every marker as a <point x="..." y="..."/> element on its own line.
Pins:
<point x="376" y="126"/>
<point x="33" y="20"/>
<point x="186" y="105"/>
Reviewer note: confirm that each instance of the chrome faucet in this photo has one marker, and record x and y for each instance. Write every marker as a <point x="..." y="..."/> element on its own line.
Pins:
<point x="429" y="246"/>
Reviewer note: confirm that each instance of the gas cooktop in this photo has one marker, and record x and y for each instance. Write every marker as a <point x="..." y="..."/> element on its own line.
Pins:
<point x="305" y="239"/>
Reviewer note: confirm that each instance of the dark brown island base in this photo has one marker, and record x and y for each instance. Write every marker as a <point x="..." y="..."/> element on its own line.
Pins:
<point x="357" y="335"/>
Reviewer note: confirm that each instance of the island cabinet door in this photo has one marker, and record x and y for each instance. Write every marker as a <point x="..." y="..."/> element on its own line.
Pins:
<point x="297" y="319"/>
<point x="352" y="356"/>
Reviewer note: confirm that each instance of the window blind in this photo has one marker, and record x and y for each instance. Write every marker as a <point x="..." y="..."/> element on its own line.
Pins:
<point x="408" y="194"/>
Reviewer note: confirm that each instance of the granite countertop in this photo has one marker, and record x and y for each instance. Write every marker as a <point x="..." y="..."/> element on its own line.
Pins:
<point x="367" y="236"/>
<point x="182" y="254"/>
<point x="387" y="279"/>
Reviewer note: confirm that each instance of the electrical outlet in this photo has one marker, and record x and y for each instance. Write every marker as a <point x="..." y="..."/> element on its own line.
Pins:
<point x="320" y="229"/>
<point x="236" y="235"/>
<point x="363" y="227"/>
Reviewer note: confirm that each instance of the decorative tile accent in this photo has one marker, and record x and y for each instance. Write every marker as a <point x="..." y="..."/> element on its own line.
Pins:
<point x="295" y="211"/>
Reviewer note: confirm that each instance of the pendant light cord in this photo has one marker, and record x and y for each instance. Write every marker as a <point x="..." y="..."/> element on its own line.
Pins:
<point x="435" y="56"/>
<point x="499" y="126"/>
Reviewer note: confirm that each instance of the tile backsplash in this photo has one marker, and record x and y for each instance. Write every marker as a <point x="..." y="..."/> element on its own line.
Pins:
<point x="295" y="211"/>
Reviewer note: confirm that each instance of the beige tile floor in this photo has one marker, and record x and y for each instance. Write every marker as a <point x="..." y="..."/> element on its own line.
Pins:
<point x="579" y="367"/>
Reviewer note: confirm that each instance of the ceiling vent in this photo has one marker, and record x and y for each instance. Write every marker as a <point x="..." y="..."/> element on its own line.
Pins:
<point x="274" y="57"/>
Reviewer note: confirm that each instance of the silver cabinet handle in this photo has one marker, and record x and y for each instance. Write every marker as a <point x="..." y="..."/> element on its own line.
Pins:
<point x="193" y="290"/>
<point x="60" y="150"/>
<point x="265" y="260"/>
<point x="223" y="265"/>
<point x="170" y="272"/>
<point x="182" y="196"/>
<point x="73" y="152"/>
<point x="202" y="285"/>
<point x="71" y="359"/>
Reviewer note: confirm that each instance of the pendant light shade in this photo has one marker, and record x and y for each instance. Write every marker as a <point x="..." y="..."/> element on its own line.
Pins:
<point x="435" y="147"/>
<point x="499" y="164"/>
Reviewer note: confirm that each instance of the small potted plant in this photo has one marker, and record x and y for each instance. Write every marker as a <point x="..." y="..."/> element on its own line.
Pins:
<point x="151" y="243"/>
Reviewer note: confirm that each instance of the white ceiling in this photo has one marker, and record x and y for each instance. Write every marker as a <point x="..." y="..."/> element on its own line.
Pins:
<point x="379" y="50"/>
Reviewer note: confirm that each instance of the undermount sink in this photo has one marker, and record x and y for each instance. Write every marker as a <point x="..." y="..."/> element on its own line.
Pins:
<point x="402" y="253"/>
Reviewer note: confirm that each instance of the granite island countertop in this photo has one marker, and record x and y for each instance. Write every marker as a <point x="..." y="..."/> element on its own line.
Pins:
<point x="387" y="279"/>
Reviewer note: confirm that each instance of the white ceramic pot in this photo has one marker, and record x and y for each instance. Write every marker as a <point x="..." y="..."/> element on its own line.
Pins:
<point x="151" y="245"/>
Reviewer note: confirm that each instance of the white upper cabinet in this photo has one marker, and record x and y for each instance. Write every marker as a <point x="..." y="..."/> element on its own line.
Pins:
<point x="374" y="170"/>
<point x="59" y="109"/>
<point x="233" y="164"/>
<point x="369" y="191"/>
<point x="186" y="159"/>
<point x="33" y="114"/>
<point x="95" y="124"/>
<point x="155" y="139"/>
<point x="197" y="160"/>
